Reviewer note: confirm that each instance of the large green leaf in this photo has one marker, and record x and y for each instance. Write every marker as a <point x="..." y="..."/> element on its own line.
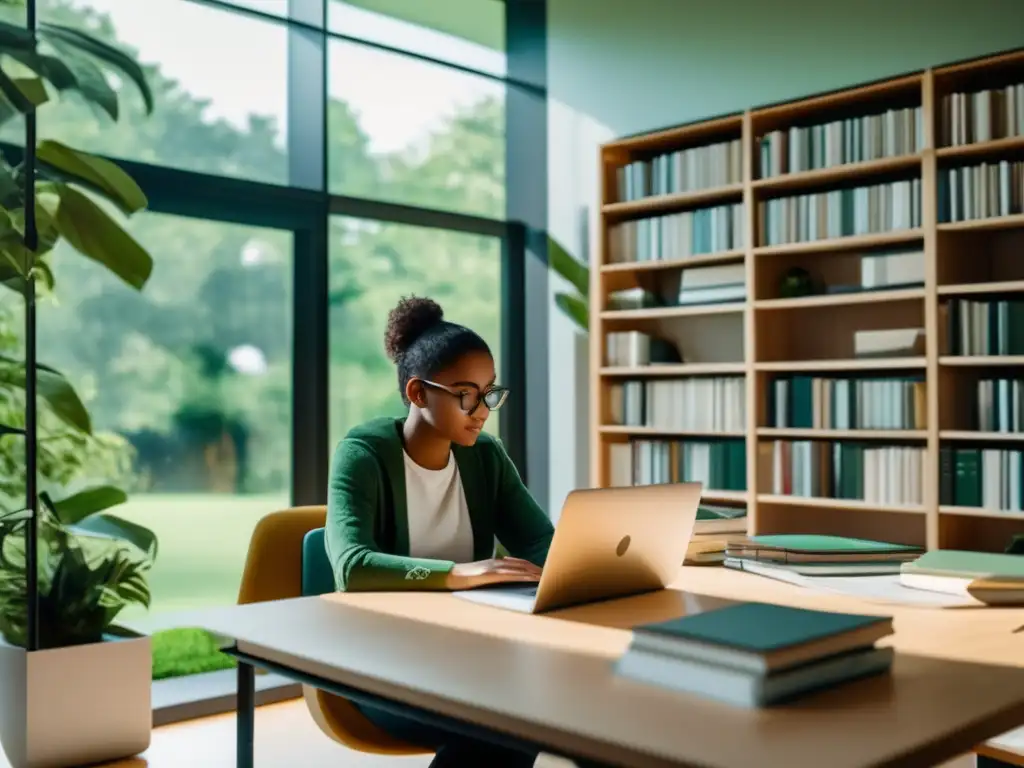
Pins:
<point x="91" y="232"/>
<point x="575" y="307"/>
<point x="118" y="60"/>
<point x="108" y="526"/>
<point x="23" y="93"/>
<point x="565" y="265"/>
<point x="90" y="81"/>
<point x="49" y="68"/>
<point x="52" y="387"/>
<point x="98" y="174"/>
<point x="79" y="506"/>
<point x="14" y="37"/>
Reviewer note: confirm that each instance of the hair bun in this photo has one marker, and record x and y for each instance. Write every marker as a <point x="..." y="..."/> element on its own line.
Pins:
<point x="410" y="319"/>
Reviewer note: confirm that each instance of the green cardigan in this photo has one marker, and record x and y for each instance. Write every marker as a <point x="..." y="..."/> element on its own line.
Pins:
<point x="367" y="532"/>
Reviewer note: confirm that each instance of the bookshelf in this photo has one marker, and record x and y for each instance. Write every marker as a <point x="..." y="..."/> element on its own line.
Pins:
<point x="817" y="310"/>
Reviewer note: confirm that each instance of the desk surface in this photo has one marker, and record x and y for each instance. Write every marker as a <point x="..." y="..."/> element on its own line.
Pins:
<point x="550" y="679"/>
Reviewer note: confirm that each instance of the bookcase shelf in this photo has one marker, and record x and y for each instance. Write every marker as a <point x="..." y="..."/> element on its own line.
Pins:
<point x="1014" y="221"/>
<point x="837" y="174"/>
<point x="994" y="437"/>
<point x="1004" y="286"/>
<point x="841" y="282"/>
<point x="843" y="504"/>
<point x="678" y="201"/>
<point x="890" y="435"/>
<point x="979" y="512"/>
<point x="683" y="370"/>
<point x="849" y="243"/>
<point x="873" y="364"/>
<point x="841" y="299"/>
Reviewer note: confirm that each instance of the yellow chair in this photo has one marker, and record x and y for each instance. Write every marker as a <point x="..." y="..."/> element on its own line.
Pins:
<point x="273" y="571"/>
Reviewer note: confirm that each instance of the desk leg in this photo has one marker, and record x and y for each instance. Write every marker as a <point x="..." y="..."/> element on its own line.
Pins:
<point x="246" y="714"/>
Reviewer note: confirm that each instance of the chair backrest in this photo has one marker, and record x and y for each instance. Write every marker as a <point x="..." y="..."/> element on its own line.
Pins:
<point x="273" y="566"/>
<point x="317" y="574"/>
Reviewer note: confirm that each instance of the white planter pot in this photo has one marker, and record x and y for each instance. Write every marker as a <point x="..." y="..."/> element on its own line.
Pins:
<point x="78" y="705"/>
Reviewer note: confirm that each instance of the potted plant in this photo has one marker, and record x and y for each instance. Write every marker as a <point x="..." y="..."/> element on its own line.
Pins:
<point x="575" y="304"/>
<point x="76" y="688"/>
<point x="84" y="695"/>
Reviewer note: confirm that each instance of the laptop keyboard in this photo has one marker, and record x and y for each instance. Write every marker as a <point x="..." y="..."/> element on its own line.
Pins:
<point x="527" y="590"/>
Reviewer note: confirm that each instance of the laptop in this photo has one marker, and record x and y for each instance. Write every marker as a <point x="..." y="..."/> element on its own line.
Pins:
<point x="609" y="542"/>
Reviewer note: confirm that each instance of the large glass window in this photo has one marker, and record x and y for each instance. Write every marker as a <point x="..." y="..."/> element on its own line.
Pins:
<point x="191" y="382"/>
<point x="219" y="80"/>
<point x="470" y="33"/>
<point x="405" y="131"/>
<point x="373" y="265"/>
<point x="270" y="7"/>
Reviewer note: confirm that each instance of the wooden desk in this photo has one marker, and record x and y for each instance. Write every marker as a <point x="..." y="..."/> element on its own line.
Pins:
<point x="548" y="681"/>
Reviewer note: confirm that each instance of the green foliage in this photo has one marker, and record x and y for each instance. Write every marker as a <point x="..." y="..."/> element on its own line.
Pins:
<point x="574" y="305"/>
<point x="186" y="651"/>
<point x="91" y="564"/>
<point x="85" y="578"/>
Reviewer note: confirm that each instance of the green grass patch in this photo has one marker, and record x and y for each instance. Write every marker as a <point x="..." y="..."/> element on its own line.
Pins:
<point x="186" y="651"/>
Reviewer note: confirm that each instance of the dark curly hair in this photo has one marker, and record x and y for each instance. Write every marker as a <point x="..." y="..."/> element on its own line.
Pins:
<point x="422" y="343"/>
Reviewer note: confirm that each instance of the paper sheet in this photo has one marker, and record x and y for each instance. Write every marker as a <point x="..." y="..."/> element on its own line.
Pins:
<point x="877" y="589"/>
<point x="1013" y="741"/>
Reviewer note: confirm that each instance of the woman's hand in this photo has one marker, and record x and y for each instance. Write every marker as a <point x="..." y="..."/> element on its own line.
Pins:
<point x="483" y="573"/>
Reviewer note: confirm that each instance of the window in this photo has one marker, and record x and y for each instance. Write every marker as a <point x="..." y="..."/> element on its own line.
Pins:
<point x="219" y="79"/>
<point x="269" y="7"/>
<point x="470" y="33"/>
<point x="372" y="265"/>
<point x="405" y="131"/>
<point x="191" y="380"/>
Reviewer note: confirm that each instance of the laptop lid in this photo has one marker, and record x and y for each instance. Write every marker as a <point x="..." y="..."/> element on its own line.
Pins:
<point x="612" y="542"/>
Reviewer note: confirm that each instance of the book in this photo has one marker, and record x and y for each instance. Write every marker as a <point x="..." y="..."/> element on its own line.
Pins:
<point x="997" y="591"/>
<point x="705" y="552"/>
<point x="891" y="475"/>
<point x="951" y="571"/>
<point x="817" y="555"/>
<point x="713" y="519"/>
<point x="742" y="689"/>
<point x="988" y="478"/>
<point x="719" y="465"/>
<point x="816" y="548"/>
<point x="755" y="654"/>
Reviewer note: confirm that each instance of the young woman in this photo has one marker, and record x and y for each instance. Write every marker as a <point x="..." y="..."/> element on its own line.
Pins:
<point x="416" y="503"/>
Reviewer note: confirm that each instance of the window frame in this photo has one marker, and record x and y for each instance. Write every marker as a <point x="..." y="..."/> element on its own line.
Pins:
<point x="305" y="208"/>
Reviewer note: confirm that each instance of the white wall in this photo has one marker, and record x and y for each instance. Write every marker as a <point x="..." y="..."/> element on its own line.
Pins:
<point x="624" y="66"/>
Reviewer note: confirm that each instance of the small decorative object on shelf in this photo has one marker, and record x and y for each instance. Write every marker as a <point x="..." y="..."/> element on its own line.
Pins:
<point x="843" y="274"/>
<point x="796" y="282"/>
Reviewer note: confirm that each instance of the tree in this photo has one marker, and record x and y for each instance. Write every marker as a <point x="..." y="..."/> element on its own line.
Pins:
<point x="136" y="358"/>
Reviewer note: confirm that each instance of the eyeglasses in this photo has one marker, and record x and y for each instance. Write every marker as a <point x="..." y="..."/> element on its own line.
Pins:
<point x="470" y="395"/>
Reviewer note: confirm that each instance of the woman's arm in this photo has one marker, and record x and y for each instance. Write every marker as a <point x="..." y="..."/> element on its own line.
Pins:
<point x="522" y="526"/>
<point x="352" y="506"/>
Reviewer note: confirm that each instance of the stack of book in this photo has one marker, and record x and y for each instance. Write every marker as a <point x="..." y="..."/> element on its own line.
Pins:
<point x="818" y="555"/>
<point x="755" y="654"/>
<point x="718" y="520"/>
<point x="954" y="572"/>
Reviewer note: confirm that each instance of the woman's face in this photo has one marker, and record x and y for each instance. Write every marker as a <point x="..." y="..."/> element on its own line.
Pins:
<point x="452" y="401"/>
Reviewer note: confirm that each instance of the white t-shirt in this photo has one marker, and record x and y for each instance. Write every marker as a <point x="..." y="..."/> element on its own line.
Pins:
<point x="439" y="526"/>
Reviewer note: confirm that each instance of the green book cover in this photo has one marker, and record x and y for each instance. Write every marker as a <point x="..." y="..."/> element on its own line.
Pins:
<point x="967" y="565"/>
<point x="809" y="542"/>
<point x="761" y="627"/>
<point x="710" y="512"/>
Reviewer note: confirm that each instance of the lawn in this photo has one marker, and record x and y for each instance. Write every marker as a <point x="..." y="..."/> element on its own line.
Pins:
<point x="203" y="540"/>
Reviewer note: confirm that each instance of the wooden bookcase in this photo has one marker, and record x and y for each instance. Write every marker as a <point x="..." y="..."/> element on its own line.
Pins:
<point x="934" y="235"/>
